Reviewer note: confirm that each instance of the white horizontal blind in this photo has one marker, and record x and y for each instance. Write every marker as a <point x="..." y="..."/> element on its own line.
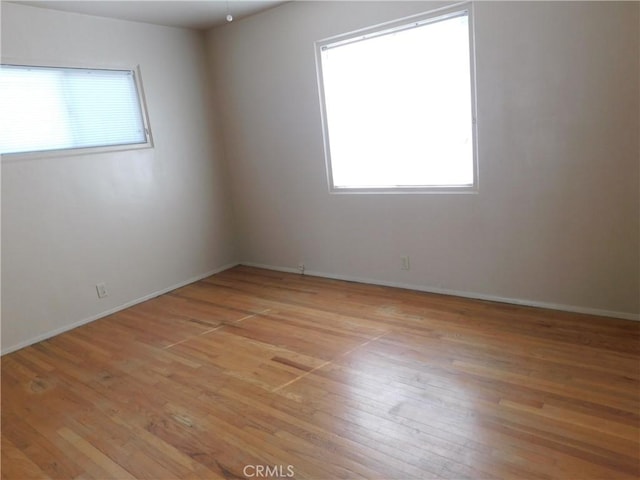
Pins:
<point x="398" y="106"/>
<point x="49" y="108"/>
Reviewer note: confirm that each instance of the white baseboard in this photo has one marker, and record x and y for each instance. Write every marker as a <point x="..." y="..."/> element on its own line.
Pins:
<point x="349" y="278"/>
<point x="58" y="331"/>
<point x="456" y="293"/>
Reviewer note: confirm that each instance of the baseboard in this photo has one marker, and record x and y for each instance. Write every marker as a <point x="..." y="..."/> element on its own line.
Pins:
<point x="66" y="328"/>
<point x="349" y="278"/>
<point x="456" y="293"/>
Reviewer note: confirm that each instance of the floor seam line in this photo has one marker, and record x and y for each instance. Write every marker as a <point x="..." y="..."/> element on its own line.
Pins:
<point x="215" y="328"/>
<point x="328" y="362"/>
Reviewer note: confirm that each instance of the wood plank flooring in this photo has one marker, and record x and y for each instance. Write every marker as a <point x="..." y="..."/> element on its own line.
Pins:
<point x="258" y="374"/>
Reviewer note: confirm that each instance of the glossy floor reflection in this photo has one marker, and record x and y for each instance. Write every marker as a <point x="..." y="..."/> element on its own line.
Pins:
<point x="257" y="371"/>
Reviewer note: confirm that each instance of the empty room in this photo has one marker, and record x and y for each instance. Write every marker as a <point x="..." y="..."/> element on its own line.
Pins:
<point x="320" y="240"/>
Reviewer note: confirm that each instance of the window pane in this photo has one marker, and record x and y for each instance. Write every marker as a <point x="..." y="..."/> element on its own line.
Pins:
<point x="45" y="108"/>
<point x="398" y="107"/>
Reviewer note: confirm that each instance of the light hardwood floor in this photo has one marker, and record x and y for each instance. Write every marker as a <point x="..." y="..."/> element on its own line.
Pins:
<point x="251" y="372"/>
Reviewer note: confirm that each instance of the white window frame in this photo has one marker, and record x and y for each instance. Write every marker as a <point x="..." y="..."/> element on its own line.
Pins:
<point x="65" y="152"/>
<point x="425" y="18"/>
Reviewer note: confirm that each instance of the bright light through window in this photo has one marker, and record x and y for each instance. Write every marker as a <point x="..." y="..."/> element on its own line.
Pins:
<point x="398" y="106"/>
<point x="46" y="108"/>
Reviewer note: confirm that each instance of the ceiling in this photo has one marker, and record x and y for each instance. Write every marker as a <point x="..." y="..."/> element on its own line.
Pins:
<point x="200" y="14"/>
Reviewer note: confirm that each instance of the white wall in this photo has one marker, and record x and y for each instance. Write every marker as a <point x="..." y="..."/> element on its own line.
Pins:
<point x="141" y="221"/>
<point x="557" y="217"/>
<point x="556" y="220"/>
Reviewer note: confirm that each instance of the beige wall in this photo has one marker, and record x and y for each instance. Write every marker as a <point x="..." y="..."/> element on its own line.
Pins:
<point x="556" y="220"/>
<point x="141" y="221"/>
<point x="557" y="216"/>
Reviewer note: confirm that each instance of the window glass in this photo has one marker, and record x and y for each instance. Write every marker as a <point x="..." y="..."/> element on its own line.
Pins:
<point x="398" y="106"/>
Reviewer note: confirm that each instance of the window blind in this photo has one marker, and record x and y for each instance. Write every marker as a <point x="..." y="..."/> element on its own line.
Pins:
<point x="50" y="108"/>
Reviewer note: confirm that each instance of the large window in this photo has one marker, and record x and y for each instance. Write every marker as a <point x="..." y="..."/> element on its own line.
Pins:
<point x="398" y="106"/>
<point x="51" y="108"/>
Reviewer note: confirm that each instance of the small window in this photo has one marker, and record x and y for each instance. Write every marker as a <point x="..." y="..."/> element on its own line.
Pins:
<point x="51" y="108"/>
<point x="398" y="106"/>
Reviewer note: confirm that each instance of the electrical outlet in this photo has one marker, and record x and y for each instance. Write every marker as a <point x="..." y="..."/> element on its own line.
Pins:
<point x="301" y="268"/>
<point x="101" y="288"/>
<point x="405" y="262"/>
